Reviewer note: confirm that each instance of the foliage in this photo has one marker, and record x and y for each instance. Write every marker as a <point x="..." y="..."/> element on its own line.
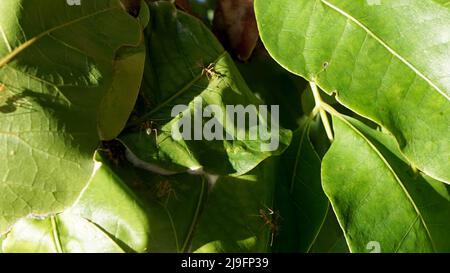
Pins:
<point x="89" y="163"/>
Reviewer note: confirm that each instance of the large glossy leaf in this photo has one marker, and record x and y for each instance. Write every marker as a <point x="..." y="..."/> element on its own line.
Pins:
<point x="187" y="63"/>
<point x="386" y="60"/>
<point x="125" y="209"/>
<point x="239" y="215"/>
<point x="379" y="198"/>
<point x="300" y="198"/>
<point x="122" y="209"/>
<point x="56" y="66"/>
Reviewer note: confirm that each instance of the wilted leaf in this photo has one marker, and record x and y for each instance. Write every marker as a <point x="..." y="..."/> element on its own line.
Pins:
<point x="235" y="25"/>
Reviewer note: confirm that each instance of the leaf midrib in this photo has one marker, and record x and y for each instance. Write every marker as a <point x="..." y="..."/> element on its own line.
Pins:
<point x="200" y="203"/>
<point x="8" y="58"/>
<point x="176" y="94"/>
<point x="304" y="134"/>
<point x="297" y="156"/>
<point x="387" y="47"/>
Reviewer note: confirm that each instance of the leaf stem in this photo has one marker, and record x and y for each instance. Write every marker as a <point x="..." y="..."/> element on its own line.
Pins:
<point x="56" y="238"/>
<point x="320" y="107"/>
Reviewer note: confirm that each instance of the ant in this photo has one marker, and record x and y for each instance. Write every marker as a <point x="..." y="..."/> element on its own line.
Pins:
<point x="149" y="128"/>
<point x="164" y="189"/>
<point x="2" y="87"/>
<point x="270" y="219"/>
<point x="209" y="71"/>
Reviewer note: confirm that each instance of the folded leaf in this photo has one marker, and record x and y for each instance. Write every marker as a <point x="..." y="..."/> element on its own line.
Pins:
<point x="386" y="60"/>
<point x="300" y="198"/>
<point x="119" y="101"/>
<point x="56" y="65"/>
<point x="378" y="198"/>
<point x="187" y="66"/>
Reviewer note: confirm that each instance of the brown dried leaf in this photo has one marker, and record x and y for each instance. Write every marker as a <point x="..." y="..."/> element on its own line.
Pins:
<point x="235" y="26"/>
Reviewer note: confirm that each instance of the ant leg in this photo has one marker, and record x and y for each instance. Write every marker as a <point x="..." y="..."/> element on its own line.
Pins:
<point x="156" y="137"/>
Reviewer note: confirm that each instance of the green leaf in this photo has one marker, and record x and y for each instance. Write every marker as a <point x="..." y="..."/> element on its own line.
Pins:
<point x="274" y="86"/>
<point x="56" y="66"/>
<point x="300" y="198"/>
<point x="116" y="106"/>
<point x="145" y="212"/>
<point x="2" y="238"/>
<point x="330" y="238"/>
<point x="378" y="197"/>
<point x="238" y="215"/>
<point x="65" y="233"/>
<point x="444" y="3"/>
<point x="141" y="212"/>
<point x="386" y="60"/>
<point x="128" y="70"/>
<point x="180" y="48"/>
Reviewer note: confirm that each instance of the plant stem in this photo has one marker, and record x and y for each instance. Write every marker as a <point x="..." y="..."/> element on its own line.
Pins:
<point x="56" y="238"/>
<point x="322" y="112"/>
